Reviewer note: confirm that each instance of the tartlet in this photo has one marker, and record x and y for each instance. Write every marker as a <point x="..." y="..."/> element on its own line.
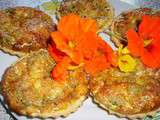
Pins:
<point x="132" y="95"/>
<point x="131" y="89"/>
<point x="126" y="20"/>
<point x="24" y="30"/>
<point x="29" y="90"/>
<point x="100" y="10"/>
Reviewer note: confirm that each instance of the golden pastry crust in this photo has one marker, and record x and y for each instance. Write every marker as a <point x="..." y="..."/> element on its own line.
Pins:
<point x="100" y="10"/>
<point x="132" y="95"/>
<point x="24" y="30"/>
<point x="126" y="20"/>
<point x="29" y="90"/>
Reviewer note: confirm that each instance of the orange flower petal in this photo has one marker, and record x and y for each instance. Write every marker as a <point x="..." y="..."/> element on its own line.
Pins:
<point x="69" y="26"/>
<point x="102" y="45"/>
<point x="61" y="43"/>
<point x="152" y="51"/>
<point x="97" y="64"/>
<point x="148" y="25"/>
<point x="113" y="59"/>
<point x="60" y="72"/>
<point x="55" y="53"/>
<point x="149" y="60"/>
<point x="108" y="52"/>
<point x="88" y="44"/>
<point x="77" y="57"/>
<point x="135" y="43"/>
<point x="59" y="40"/>
<point x="88" y="25"/>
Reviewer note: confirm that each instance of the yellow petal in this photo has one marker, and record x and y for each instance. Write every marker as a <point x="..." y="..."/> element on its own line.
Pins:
<point x="122" y="50"/>
<point x="126" y="63"/>
<point x="125" y="51"/>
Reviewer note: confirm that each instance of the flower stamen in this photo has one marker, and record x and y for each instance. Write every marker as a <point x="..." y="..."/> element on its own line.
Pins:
<point x="71" y="44"/>
<point x="147" y="43"/>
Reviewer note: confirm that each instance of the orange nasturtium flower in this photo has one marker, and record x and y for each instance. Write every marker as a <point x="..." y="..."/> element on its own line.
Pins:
<point x="146" y="42"/>
<point x="76" y="43"/>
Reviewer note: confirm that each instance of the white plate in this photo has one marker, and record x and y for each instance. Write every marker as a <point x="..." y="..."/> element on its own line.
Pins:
<point x="88" y="111"/>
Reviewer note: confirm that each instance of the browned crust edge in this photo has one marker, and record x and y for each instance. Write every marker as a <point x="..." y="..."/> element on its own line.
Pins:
<point x="131" y="117"/>
<point x="15" y="53"/>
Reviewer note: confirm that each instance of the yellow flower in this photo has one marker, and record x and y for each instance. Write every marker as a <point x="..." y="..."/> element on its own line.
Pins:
<point x="126" y="62"/>
<point x="122" y="50"/>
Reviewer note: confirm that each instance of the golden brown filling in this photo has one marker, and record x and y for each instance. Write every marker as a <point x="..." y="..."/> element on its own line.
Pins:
<point x="99" y="10"/>
<point x="24" y="29"/>
<point x="29" y="89"/>
<point x="127" y="93"/>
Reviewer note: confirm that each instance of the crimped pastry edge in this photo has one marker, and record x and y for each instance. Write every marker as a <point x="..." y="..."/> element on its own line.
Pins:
<point x="15" y="53"/>
<point x="131" y="117"/>
<point x="64" y="113"/>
